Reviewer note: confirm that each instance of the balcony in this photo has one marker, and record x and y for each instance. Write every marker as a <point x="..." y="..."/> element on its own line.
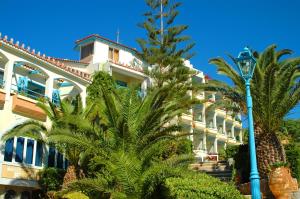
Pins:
<point x="2" y="97"/>
<point x="27" y="107"/>
<point x="24" y="103"/>
<point x="19" y="172"/>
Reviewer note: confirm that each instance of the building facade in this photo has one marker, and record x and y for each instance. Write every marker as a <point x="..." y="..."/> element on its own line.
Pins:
<point x="27" y="76"/>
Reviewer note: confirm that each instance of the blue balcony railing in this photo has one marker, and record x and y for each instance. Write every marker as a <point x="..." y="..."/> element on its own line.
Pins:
<point x="28" y="93"/>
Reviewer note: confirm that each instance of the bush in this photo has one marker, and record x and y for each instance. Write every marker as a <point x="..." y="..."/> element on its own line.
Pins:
<point x="51" y="179"/>
<point x="199" y="186"/>
<point x="75" y="195"/>
<point x="293" y="158"/>
<point x="231" y="151"/>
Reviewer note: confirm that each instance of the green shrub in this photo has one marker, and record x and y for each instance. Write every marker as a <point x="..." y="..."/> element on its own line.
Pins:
<point x="231" y="151"/>
<point x="185" y="147"/>
<point x="75" y="195"/>
<point x="200" y="186"/>
<point x="293" y="158"/>
<point x="51" y="179"/>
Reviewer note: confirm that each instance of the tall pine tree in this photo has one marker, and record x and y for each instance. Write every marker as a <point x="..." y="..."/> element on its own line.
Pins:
<point x="165" y="48"/>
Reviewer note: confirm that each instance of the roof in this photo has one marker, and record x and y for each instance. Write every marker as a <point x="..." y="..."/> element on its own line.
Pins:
<point x="96" y="36"/>
<point x="207" y="77"/>
<point x="70" y="60"/>
<point x="53" y="61"/>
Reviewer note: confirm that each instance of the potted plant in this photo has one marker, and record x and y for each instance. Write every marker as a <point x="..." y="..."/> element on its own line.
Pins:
<point x="281" y="182"/>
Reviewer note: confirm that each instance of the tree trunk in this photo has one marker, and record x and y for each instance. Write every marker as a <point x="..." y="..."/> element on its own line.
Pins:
<point x="269" y="150"/>
<point x="70" y="176"/>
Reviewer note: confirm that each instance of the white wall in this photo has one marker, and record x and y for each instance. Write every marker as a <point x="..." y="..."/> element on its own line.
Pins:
<point x="100" y="52"/>
<point x="125" y="57"/>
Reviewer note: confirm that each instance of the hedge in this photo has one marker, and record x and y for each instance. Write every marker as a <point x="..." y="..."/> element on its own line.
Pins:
<point x="199" y="186"/>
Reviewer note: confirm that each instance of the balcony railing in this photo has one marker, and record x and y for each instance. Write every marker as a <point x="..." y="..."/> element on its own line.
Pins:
<point x="28" y="93"/>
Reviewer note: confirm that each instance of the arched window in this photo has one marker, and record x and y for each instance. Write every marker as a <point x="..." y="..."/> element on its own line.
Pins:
<point x="10" y="194"/>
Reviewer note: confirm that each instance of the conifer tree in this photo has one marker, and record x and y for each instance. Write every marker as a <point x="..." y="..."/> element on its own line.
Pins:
<point x="165" y="48"/>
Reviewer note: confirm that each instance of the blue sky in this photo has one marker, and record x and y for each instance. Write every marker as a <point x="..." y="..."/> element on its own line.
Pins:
<point x="217" y="26"/>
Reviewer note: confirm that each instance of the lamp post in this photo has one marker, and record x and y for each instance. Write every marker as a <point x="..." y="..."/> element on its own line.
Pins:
<point x="246" y="64"/>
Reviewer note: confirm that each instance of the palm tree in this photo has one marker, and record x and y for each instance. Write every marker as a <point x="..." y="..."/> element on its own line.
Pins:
<point x="275" y="91"/>
<point x="132" y="141"/>
<point x="64" y="118"/>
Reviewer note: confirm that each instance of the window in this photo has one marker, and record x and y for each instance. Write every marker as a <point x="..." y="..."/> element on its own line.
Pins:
<point x="39" y="154"/>
<point x="113" y="54"/>
<point x="35" y="90"/>
<point x="60" y="160"/>
<point x="19" y="150"/>
<point x="51" y="157"/>
<point x="66" y="163"/>
<point x="121" y="83"/>
<point x="87" y="50"/>
<point x="9" y="146"/>
<point x="29" y="151"/>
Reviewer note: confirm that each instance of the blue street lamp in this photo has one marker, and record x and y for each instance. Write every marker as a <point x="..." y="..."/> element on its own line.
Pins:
<point x="246" y="64"/>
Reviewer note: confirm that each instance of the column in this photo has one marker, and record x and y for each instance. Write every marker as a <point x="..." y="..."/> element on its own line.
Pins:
<point x="215" y="120"/>
<point x="241" y="136"/>
<point x="49" y="87"/>
<point x="204" y="142"/>
<point x="232" y="131"/>
<point x="191" y="132"/>
<point x="83" y="97"/>
<point x="8" y="73"/>
<point x="224" y="127"/>
<point x="144" y="87"/>
<point x="203" y="114"/>
<point x="216" y="145"/>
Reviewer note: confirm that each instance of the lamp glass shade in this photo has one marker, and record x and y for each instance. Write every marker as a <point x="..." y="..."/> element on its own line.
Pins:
<point x="246" y="63"/>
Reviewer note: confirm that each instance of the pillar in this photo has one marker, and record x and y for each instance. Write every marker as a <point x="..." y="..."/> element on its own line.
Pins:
<point x="241" y="136"/>
<point x="215" y="120"/>
<point x="191" y="133"/>
<point x="216" y="145"/>
<point x="224" y="127"/>
<point x="203" y="114"/>
<point x="232" y="131"/>
<point x="8" y="73"/>
<point x="144" y="86"/>
<point x="83" y="97"/>
<point x="204" y="142"/>
<point x="49" y="87"/>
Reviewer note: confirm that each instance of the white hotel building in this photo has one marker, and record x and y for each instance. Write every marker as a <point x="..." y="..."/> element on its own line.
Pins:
<point x="27" y="75"/>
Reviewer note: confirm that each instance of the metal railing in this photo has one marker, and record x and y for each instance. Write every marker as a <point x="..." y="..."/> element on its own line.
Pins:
<point x="28" y="93"/>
